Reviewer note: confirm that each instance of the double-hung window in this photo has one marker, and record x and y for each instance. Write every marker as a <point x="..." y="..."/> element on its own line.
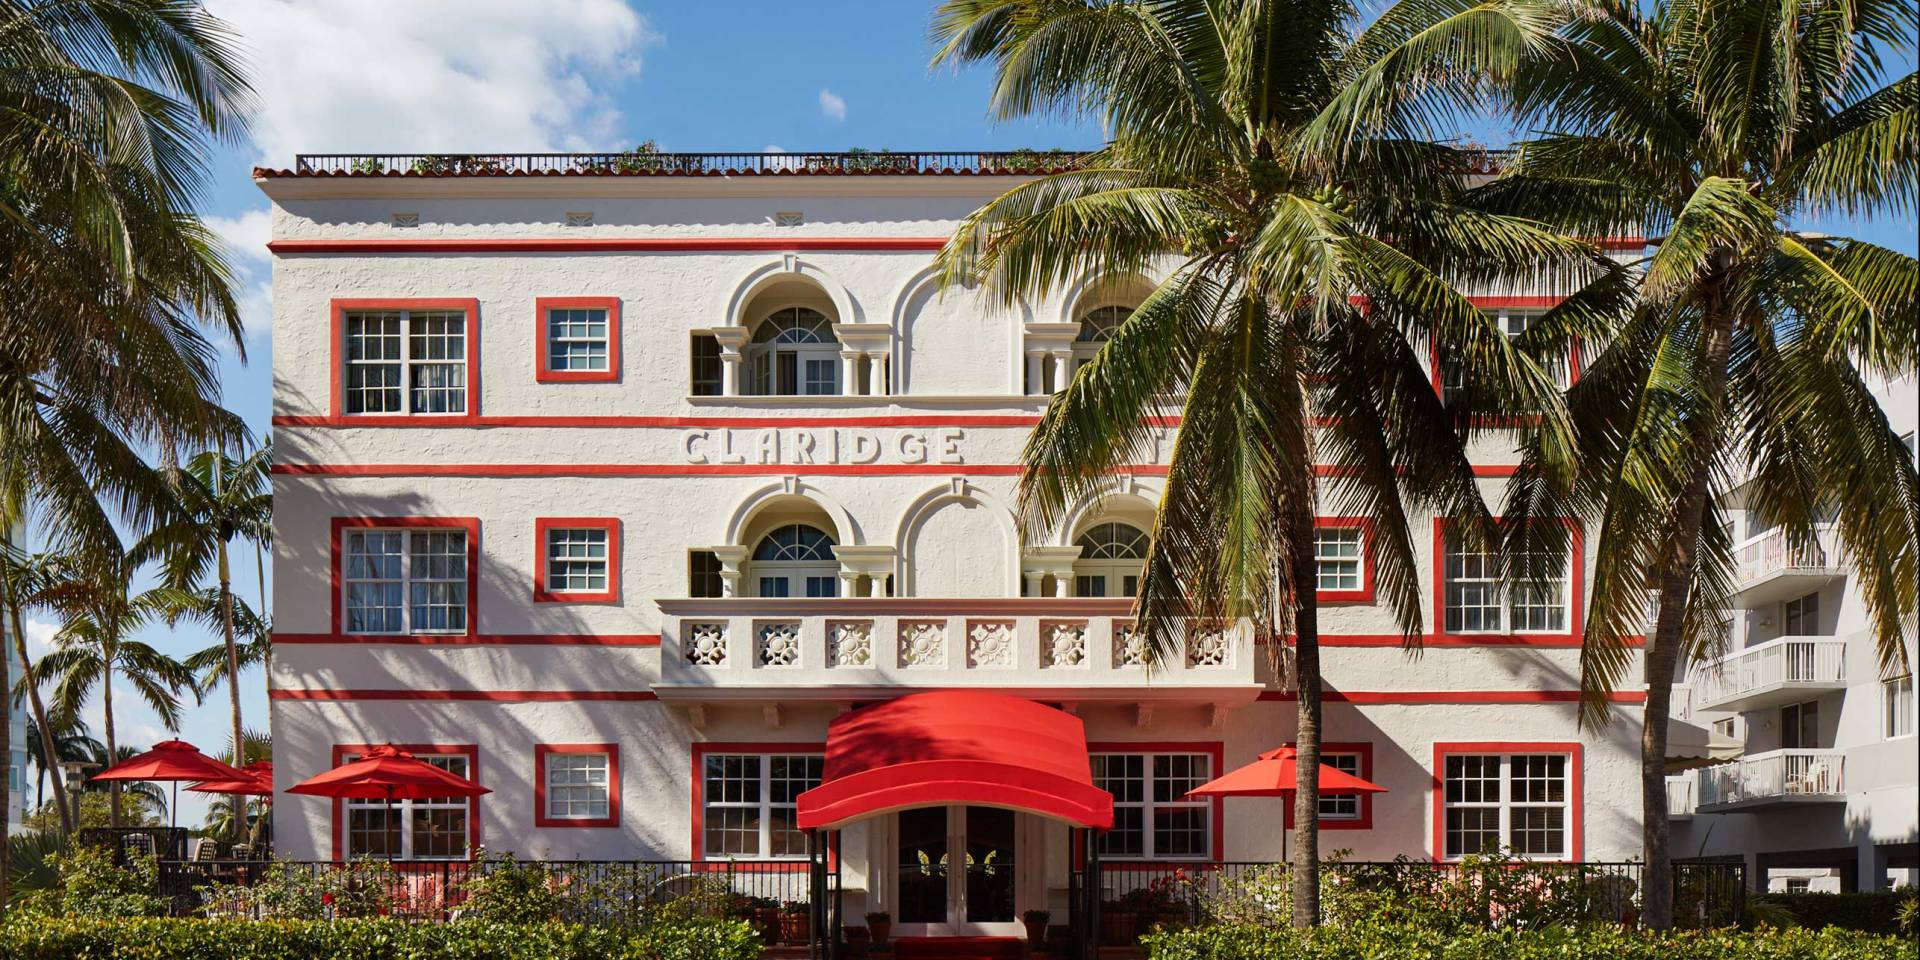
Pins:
<point x="431" y="829"/>
<point x="1518" y="802"/>
<point x="1512" y="322"/>
<point x="1477" y="601"/>
<point x="579" y="559"/>
<point x="405" y="361"/>
<point x="579" y="785"/>
<point x="579" y="339"/>
<point x="1344" y="806"/>
<point x="1152" y="820"/>
<point x="405" y="580"/>
<point x="1340" y="560"/>
<point x="748" y="804"/>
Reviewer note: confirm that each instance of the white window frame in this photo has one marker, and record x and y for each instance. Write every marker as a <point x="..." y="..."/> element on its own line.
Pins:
<point x="555" y="338"/>
<point x="556" y="562"/>
<point x="1795" y="613"/>
<point x="406" y="363"/>
<point x="405" y="809"/>
<point x="796" y="574"/>
<point x="552" y="763"/>
<point x="1506" y="805"/>
<point x="1897" y="707"/>
<point x="406" y="581"/>
<point x="762" y="360"/>
<point x="763" y="807"/>
<point x="1346" y="806"/>
<point x="1148" y="806"/>
<point x="1323" y="557"/>
<point x="1114" y="571"/>
<point x="1512" y="321"/>
<point x="1507" y="605"/>
<point x="1084" y="347"/>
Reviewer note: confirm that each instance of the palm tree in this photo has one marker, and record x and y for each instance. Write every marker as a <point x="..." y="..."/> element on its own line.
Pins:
<point x="95" y="647"/>
<point x="217" y="499"/>
<point x="1274" y="162"/>
<point x="1742" y="368"/>
<point x="23" y="583"/>
<point x="70" y="743"/>
<point x="254" y="642"/>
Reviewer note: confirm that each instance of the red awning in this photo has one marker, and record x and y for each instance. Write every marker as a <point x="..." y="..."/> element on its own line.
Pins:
<point x="929" y="749"/>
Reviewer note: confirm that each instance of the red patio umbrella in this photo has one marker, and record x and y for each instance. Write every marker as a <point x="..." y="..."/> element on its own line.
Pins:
<point x="257" y="782"/>
<point x="171" y="760"/>
<point x="1275" y="774"/>
<point x="388" y="773"/>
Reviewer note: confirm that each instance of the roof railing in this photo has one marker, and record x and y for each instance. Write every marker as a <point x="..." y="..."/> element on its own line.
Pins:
<point x="655" y="163"/>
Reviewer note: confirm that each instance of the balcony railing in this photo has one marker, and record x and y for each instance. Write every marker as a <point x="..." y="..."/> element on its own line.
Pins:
<point x="1771" y="557"/>
<point x="821" y="647"/>
<point x="1780" y="669"/>
<point x="1682" y="797"/>
<point x="656" y="163"/>
<point x="1778" y="776"/>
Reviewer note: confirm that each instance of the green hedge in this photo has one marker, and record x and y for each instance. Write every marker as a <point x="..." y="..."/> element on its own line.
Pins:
<point x="1875" y="912"/>
<point x="31" y="937"/>
<point x="1599" y="943"/>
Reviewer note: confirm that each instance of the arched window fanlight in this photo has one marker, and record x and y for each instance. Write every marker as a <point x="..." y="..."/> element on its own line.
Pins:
<point x="794" y="353"/>
<point x="1097" y="325"/>
<point x="1111" y="558"/>
<point x="1113" y="541"/>
<point x="795" y="542"/>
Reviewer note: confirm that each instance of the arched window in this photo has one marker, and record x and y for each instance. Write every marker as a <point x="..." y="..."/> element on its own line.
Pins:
<point x="1096" y="328"/>
<point x="795" y="561"/>
<point x="1111" y="558"/>
<point x="794" y="353"/>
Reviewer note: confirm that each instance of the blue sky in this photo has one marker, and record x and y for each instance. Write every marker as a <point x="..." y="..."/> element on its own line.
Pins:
<point x="506" y="75"/>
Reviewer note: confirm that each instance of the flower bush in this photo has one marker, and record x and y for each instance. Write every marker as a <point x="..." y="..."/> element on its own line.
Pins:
<point x="90" y="884"/>
<point x="43" y="938"/>
<point x="1403" y="942"/>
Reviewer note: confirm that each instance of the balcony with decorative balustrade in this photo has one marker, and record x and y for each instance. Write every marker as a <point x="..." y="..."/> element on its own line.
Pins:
<point x="1770" y="568"/>
<point x="1772" y="779"/>
<point x="1782" y="670"/>
<point x="847" y="649"/>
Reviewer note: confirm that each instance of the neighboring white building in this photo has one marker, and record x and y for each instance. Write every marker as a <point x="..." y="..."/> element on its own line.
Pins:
<point x="614" y="491"/>
<point x="16" y="791"/>
<point x="1827" y="793"/>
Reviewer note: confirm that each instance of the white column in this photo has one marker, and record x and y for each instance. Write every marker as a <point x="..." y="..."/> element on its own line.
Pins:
<point x="1061" y="581"/>
<point x="1035" y="579"/>
<point x="849" y="373"/>
<point x="849" y="582"/>
<point x="1036" y="375"/>
<point x="876" y="385"/>
<point x="729" y="373"/>
<point x="1062" y="370"/>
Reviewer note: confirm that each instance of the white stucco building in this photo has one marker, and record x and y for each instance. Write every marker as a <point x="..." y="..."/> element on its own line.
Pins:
<point x="614" y="491"/>
<point x="1826" y="793"/>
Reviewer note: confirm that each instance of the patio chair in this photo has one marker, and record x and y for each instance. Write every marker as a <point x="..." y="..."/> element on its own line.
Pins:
<point x="206" y="850"/>
<point x="137" y="844"/>
<point x="243" y="851"/>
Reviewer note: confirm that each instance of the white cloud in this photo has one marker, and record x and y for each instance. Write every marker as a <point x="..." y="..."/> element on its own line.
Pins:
<point x="436" y="75"/>
<point x="832" y="106"/>
<point x="246" y="235"/>
<point x="39" y="636"/>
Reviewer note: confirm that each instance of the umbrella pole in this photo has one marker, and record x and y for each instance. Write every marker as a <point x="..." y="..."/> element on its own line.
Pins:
<point x="393" y="841"/>
<point x="173" y="809"/>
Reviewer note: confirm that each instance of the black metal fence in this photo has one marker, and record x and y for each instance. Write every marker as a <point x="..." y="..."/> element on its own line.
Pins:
<point x="646" y="162"/>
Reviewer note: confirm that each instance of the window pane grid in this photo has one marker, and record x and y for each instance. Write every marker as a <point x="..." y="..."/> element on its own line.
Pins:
<point x="1478" y="602"/>
<point x="1514" y="801"/>
<point x="577" y="339"/>
<point x="1344" y="806"/>
<point x="748" y="807"/>
<point x="578" y="787"/>
<point x="1336" y="555"/>
<point x="428" y="568"/>
<point x="425" y="350"/>
<point x="435" y="829"/>
<point x="577" y="560"/>
<point x="1151" y="820"/>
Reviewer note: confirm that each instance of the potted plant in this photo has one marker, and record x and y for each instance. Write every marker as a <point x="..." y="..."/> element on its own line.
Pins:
<point x="764" y="914"/>
<point x="856" y="939"/>
<point x="796" y="921"/>
<point x="1036" y="923"/>
<point x="880" y="924"/>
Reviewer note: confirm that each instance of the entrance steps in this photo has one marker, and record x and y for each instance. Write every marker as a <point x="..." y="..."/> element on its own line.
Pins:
<point x="958" y="948"/>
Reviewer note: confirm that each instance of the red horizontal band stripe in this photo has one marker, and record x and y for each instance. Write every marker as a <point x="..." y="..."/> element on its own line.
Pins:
<point x="606" y="244"/>
<point x="682" y="423"/>
<point x="480" y="640"/>
<point x="484" y="696"/>
<point x="720" y="469"/>
<point x="1455" y="696"/>
<point x="1535" y="640"/>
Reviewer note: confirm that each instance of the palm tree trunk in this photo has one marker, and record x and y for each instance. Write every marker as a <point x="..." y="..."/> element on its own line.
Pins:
<point x="1676" y="585"/>
<point x="1306" y="654"/>
<point x="113" y="745"/>
<point x="233" y="687"/>
<point x="38" y="708"/>
<point x="6" y="783"/>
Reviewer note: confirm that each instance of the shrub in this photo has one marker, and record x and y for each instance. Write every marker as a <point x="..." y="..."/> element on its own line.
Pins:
<point x="504" y="890"/>
<point x="289" y="891"/>
<point x="1385" y="942"/>
<point x="92" y="885"/>
<point x="1874" y="912"/>
<point x="377" y="939"/>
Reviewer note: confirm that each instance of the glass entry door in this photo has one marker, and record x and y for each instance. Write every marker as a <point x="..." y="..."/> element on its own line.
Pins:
<point x="956" y="872"/>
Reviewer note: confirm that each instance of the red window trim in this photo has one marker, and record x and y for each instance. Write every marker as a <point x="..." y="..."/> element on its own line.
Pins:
<point x="1576" y="589"/>
<point x="1365" y="749"/>
<point x="544" y="374"/>
<point x="541" y="751"/>
<point x="544" y="525"/>
<point x="469" y="750"/>
<point x="337" y="575"/>
<point x="698" y="851"/>
<point x="1508" y="303"/>
<point x="1577" y="798"/>
<point x="336" y="356"/>
<point x="1212" y="748"/>
<point x="1366" y="592"/>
